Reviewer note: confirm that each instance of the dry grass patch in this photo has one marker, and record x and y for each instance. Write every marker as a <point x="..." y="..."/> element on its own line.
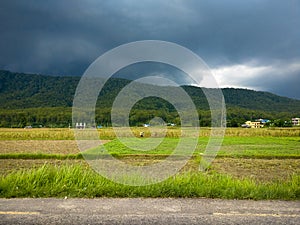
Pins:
<point x="40" y="146"/>
<point x="263" y="170"/>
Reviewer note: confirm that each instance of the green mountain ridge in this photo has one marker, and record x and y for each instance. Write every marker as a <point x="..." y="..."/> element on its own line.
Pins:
<point x="20" y="92"/>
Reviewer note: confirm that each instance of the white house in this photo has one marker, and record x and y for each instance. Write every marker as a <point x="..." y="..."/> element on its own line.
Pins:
<point x="296" y="121"/>
<point x="80" y="125"/>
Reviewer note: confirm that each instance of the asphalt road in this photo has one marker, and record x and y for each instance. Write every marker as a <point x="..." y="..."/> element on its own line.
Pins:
<point x="147" y="211"/>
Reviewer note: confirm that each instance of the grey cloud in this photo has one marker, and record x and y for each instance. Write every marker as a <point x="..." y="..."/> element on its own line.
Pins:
<point x="283" y="79"/>
<point x="64" y="37"/>
<point x="284" y="86"/>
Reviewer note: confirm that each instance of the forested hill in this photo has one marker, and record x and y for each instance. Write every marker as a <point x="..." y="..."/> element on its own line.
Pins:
<point x="18" y="90"/>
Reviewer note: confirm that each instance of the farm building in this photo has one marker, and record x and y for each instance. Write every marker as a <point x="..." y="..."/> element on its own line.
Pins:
<point x="251" y="124"/>
<point x="263" y="121"/>
<point x="296" y="121"/>
<point x="80" y="125"/>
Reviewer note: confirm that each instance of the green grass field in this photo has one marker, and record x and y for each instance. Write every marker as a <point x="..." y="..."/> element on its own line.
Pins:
<point x="251" y="164"/>
<point x="254" y="147"/>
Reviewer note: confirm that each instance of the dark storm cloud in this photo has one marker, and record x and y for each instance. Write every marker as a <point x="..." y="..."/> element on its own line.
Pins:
<point x="64" y="37"/>
<point x="282" y="79"/>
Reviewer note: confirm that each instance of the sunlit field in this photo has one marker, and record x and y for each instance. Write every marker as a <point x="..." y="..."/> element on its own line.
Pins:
<point x="251" y="164"/>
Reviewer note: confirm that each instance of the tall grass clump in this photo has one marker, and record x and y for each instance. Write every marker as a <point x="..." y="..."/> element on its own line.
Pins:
<point x="81" y="181"/>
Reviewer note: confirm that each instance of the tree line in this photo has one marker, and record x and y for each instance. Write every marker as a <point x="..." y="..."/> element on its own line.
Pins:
<point x="62" y="117"/>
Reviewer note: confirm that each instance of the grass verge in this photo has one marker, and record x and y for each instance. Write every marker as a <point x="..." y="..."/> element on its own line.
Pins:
<point x="81" y="181"/>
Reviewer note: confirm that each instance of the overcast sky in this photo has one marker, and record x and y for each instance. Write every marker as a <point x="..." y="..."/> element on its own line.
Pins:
<point x="251" y="44"/>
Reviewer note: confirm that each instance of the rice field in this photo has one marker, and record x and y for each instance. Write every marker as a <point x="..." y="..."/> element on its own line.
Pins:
<point x="247" y="156"/>
<point x="109" y="134"/>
